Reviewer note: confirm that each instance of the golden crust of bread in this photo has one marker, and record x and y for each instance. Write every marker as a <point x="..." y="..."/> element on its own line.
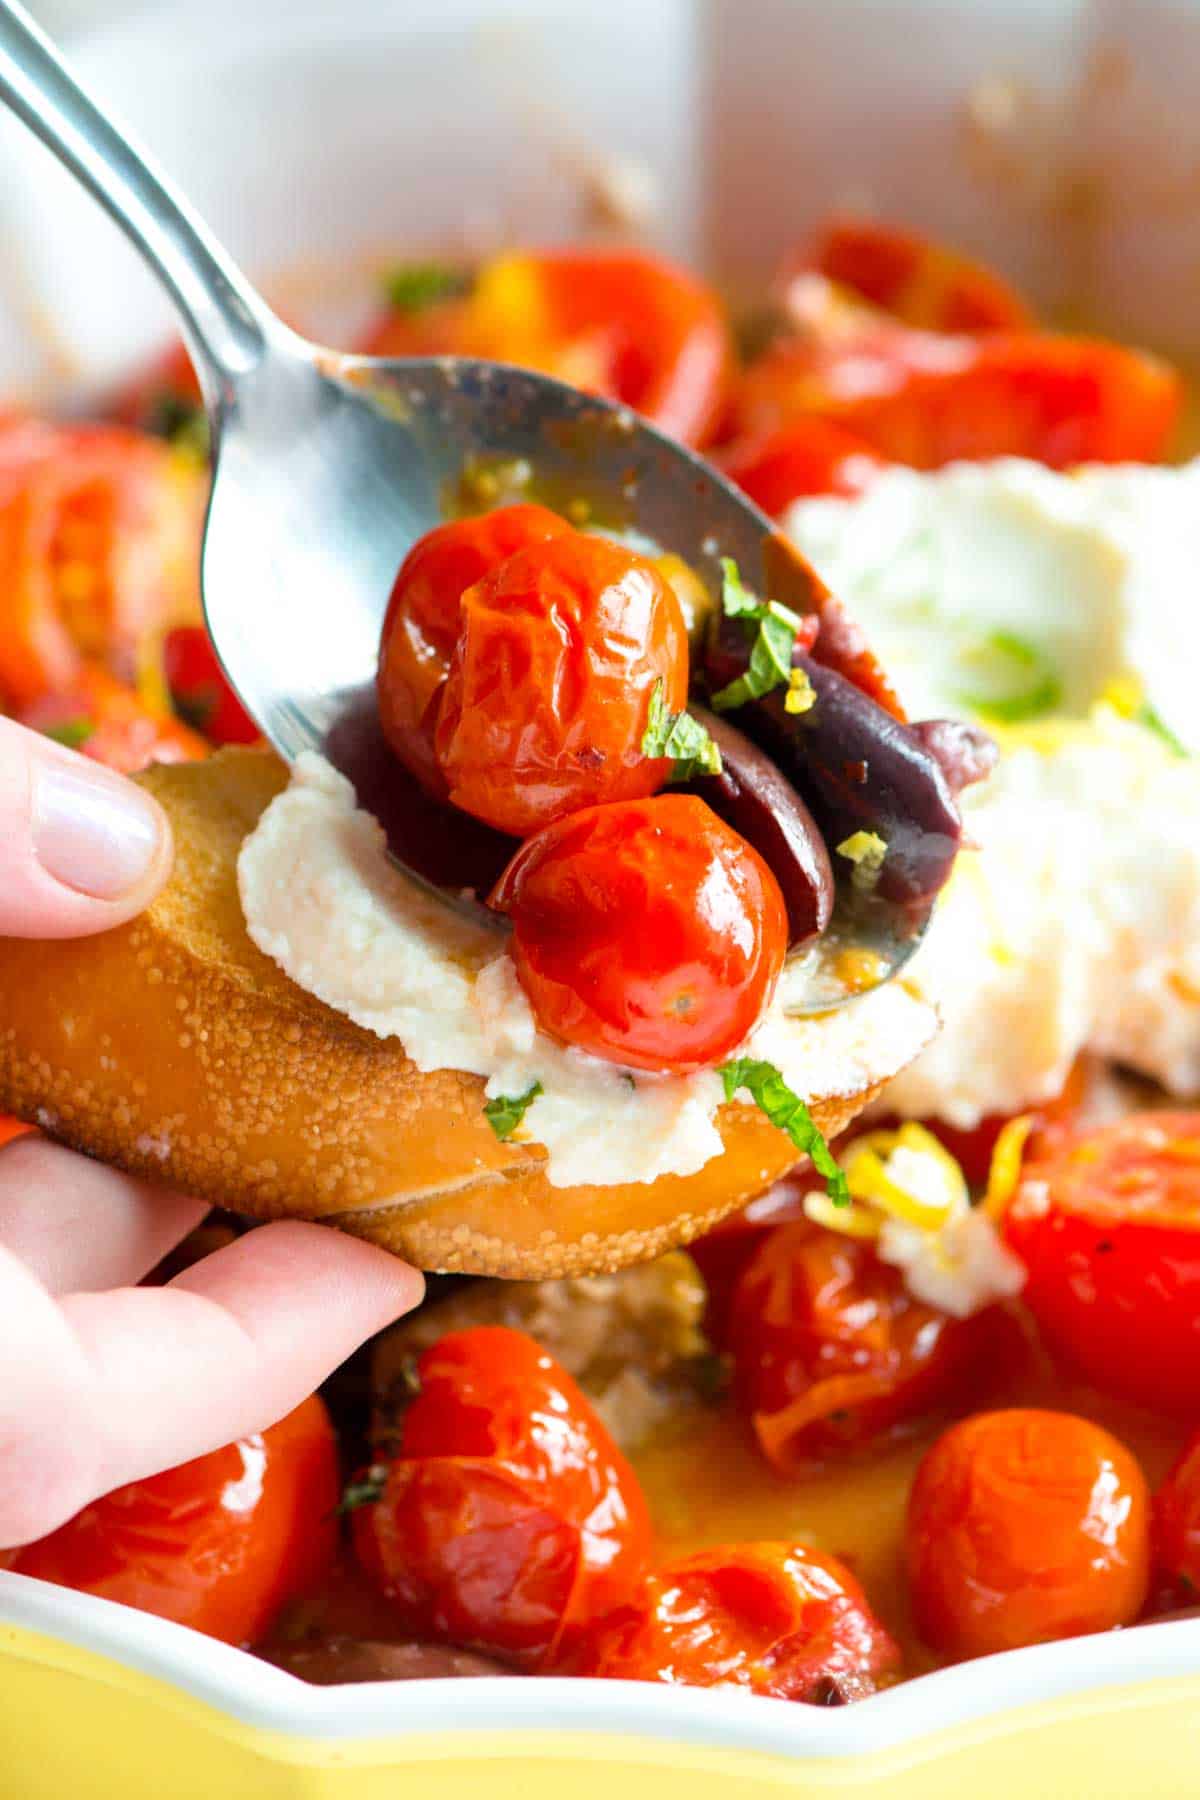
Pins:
<point x="172" y="1047"/>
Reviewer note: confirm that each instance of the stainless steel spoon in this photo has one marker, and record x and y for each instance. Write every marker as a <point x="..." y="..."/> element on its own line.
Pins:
<point x="327" y="467"/>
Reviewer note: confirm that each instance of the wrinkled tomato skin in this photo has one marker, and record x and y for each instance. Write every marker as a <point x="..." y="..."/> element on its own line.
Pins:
<point x="1176" y="1529"/>
<point x="124" y="732"/>
<point x="99" y="548"/>
<point x="809" y="457"/>
<point x="547" y="699"/>
<point x="1108" y="1226"/>
<point x="509" y="1518"/>
<point x="831" y="1351"/>
<point x="648" y="933"/>
<point x="773" y="1618"/>
<point x="915" y="279"/>
<point x="422" y="621"/>
<point x="201" y="691"/>
<point x="618" y="322"/>
<point x="927" y="400"/>
<point x="220" y="1543"/>
<point x="1023" y="1527"/>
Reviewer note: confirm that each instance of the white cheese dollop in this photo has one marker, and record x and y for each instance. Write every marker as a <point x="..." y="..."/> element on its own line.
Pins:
<point x="323" y="900"/>
<point x="1096" y="571"/>
<point x="1076" y="924"/>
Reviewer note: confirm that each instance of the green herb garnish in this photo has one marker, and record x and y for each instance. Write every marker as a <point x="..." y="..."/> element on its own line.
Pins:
<point x="71" y="733"/>
<point x="772" y="630"/>
<point x="771" y="1093"/>
<point x="363" y="1492"/>
<point x="412" y="287"/>
<point x="506" y="1111"/>
<point x="180" y="421"/>
<point x="1029" y="688"/>
<point x="1152" y="720"/>
<point x="680" y="737"/>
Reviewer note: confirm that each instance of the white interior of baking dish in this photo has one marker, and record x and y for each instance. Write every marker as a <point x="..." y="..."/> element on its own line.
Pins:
<point x="1062" y="140"/>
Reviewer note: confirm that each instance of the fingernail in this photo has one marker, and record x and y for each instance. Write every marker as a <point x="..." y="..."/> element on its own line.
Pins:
<point x="93" y="832"/>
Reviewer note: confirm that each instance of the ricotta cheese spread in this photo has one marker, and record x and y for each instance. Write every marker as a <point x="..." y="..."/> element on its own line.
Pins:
<point x="322" y="898"/>
<point x="1075" y="925"/>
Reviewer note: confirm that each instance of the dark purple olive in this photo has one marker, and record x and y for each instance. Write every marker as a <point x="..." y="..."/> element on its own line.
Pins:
<point x="753" y="796"/>
<point x="966" y="753"/>
<point x="856" y="767"/>
<point x="330" y="1661"/>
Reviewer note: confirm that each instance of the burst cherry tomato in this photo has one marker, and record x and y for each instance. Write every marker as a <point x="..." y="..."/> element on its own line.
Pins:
<point x="107" y="721"/>
<point x="558" y="654"/>
<point x="926" y="399"/>
<point x="509" y="1519"/>
<point x="1025" y="1526"/>
<point x="916" y="280"/>
<point x="647" y="933"/>
<point x="423" y="618"/>
<point x="1176" y="1528"/>
<point x="200" y="690"/>
<point x="722" y="1254"/>
<point x="775" y="1618"/>
<point x="830" y="1350"/>
<point x="1108" y="1225"/>
<point x="807" y="457"/>
<point x="99" y="548"/>
<point x="221" y="1543"/>
<point x="621" y="323"/>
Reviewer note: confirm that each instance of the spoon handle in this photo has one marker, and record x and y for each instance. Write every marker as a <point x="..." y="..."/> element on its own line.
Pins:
<point x="226" y="322"/>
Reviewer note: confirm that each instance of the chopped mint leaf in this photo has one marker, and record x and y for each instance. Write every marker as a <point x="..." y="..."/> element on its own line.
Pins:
<point x="1026" y="686"/>
<point x="506" y="1111"/>
<point x="773" y="631"/>
<point x="680" y="737"/>
<point x="411" y="287"/>
<point x="71" y="732"/>
<point x="770" y="1092"/>
<point x="1153" y="721"/>
<point x="363" y="1492"/>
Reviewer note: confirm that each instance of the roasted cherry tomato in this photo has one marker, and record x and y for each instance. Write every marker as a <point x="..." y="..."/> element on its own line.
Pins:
<point x="776" y="1618"/>
<point x="648" y="933"/>
<point x="723" y="1253"/>
<point x="99" y="550"/>
<point x="805" y="458"/>
<point x="200" y="691"/>
<point x="830" y="1350"/>
<point x="221" y="1543"/>
<point x="916" y="280"/>
<point x="509" y="1519"/>
<point x="925" y="399"/>
<point x="620" y="323"/>
<point x="1176" y="1529"/>
<point x="109" y="722"/>
<point x="559" y="652"/>
<point x="11" y="1128"/>
<point x="1108" y="1225"/>
<point x="423" y="618"/>
<point x="1025" y="1526"/>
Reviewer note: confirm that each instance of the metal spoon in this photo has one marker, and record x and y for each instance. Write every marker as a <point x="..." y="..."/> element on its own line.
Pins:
<point x="327" y="467"/>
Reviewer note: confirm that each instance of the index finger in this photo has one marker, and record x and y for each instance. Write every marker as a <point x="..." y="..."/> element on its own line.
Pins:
<point x="104" y="1389"/>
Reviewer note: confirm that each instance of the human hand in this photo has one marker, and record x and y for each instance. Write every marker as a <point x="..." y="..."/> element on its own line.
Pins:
<point x="103" y="1382"/>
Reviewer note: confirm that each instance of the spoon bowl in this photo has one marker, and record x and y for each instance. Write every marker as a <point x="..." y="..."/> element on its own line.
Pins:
<point x="328" y="467"/>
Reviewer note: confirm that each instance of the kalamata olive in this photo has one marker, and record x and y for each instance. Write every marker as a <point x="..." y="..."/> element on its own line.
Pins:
<point x="857" y="768"/>
<point x="835" y="639"/>
<point x="331" y="1661"/>
<point x="966" y="753"/>
<point x="758" y="800"/>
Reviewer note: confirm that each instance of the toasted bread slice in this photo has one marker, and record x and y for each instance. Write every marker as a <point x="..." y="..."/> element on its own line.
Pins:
<point x="172" y="1047"/>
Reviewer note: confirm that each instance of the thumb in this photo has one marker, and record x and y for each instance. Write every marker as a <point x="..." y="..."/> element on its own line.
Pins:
<point x="81" y="848"/>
